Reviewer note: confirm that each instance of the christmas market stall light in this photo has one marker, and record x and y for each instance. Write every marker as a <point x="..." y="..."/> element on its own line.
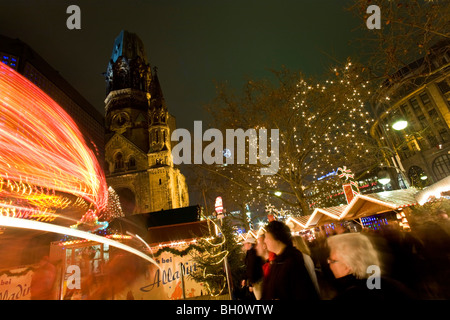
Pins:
<point x="251" y="234"/>
<point x="395" y="200"/>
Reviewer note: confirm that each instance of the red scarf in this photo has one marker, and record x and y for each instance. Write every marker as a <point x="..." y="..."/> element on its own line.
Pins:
<point x="266" y="266"/>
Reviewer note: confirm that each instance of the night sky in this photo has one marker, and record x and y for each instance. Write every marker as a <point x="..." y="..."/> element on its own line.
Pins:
<point x="193" y="43"/>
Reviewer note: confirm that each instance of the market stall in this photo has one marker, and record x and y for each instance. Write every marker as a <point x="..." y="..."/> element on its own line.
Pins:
<point x="363" y="208"/>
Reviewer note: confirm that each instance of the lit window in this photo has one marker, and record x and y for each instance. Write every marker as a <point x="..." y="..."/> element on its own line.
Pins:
<point x="443" y="86"/>
<point x="9" y="60"/>
<point x="131" y="163"/>
<point x="424" y="97"/>
<point x="441" y="166"/>
<point x="118" y="162"/>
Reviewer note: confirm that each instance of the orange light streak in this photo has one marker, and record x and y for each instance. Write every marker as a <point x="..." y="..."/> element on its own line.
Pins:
<point x="40" y="145"/>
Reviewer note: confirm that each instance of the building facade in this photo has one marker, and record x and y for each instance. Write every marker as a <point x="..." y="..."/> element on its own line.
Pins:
<point x="421" y="97"/>
<point x="22" y="58"/>
<point x="138" y="158"/>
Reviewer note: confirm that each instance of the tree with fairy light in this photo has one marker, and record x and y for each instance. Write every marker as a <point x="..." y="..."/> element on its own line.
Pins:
<point x="113" y="209"/>
<point x="217" y="256"/>
<point x="322" y="125"/>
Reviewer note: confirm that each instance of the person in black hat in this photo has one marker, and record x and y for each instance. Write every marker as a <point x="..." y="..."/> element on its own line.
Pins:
<point x="288" y="278"/>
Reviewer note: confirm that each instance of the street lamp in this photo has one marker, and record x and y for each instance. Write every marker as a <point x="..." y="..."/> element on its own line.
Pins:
<point x="384" y="177"/>
<point x="278" y="193"/>
<point x="400" y="124"/>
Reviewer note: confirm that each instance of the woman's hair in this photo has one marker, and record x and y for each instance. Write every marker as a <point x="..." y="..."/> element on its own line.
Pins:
<point x="301" y="245"/>
<point x="280" y="232"/>
<point x="356" y="251"/>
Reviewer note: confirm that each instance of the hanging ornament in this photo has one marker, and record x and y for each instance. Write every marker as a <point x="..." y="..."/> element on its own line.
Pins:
<point x="350" y="185"/>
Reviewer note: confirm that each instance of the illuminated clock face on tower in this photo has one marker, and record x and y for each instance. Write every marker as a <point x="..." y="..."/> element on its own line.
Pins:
<point x="120" y="119"/>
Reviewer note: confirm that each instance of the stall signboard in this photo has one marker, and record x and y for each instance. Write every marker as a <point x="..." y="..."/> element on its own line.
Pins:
<point x="15" y="284"/>
<point x="169" y="282"/>
<point x="348" y="191"/>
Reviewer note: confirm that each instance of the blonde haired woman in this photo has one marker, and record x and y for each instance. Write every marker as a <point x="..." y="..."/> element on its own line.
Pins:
<point x="351" y="253"/>
<point x="301" y="245"/>
<point x="356" y="267"/>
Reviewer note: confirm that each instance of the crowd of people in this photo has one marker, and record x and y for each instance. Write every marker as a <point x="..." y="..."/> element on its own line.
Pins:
<point x="384" y="265"/>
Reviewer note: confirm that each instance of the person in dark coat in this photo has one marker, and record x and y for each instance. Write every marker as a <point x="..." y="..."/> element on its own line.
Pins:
<point x="253" y="265"/>
<point x="350" y="288"/>
<point x="288" y="278"/>
<point x="356" y="266"/>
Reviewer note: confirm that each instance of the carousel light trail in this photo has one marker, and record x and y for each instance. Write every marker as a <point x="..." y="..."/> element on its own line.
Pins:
<point x="40" y="145"/>
<point x="43" y="154"/>
<point x="41" y="226"/>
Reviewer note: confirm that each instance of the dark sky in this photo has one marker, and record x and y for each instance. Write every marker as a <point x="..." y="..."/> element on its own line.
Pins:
<point x="193" y="43"/>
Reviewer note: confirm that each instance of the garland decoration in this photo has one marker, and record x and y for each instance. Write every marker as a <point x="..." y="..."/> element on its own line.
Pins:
<point x="19" y="273"/>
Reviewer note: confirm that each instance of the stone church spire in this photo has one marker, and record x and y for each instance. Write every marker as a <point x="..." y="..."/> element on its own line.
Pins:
<point x="128" y="45"/>
<point x="128" y="66"/>
<point x="139" y="164"/>
<point x="157" y="98"/>
<point x="158" y="117"/>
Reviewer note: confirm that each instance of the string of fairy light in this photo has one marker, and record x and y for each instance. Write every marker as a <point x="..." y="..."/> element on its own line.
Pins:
<point x="322" y="126"/>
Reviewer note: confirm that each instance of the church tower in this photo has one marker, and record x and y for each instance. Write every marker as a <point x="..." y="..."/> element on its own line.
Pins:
<point x="139" y="165"/>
